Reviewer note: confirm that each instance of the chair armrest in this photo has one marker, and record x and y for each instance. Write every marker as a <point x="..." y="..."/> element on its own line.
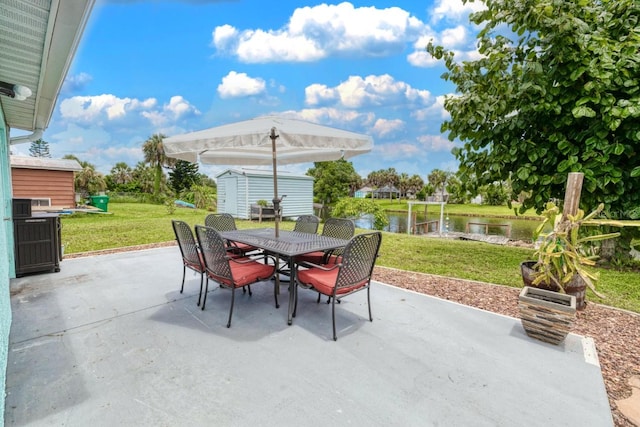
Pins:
<point x="320" y="267"/>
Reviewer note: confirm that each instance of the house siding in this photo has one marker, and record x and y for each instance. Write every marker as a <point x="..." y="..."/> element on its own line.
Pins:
<point x="258" y="185"/>
<point x="39" y="183"/>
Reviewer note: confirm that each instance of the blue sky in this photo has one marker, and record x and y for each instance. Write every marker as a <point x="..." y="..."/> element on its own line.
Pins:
<point x="169" y="66"/>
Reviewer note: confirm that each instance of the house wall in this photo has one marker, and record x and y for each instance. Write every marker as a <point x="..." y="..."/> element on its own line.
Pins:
<point x="41" y="183"/>
<point x="7" y="266"/>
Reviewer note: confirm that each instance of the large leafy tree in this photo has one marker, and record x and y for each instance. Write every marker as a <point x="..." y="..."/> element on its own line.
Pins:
<point x="183" y="176"/>
<point x="154" y="155"/>
<point x="555" y="91"/>
<point x="333" y="180"/>
<point x="39" y="148"/>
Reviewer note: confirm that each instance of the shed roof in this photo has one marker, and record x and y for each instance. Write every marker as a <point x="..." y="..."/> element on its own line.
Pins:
<point x="24" y="162"/>
<point x="263" y="172"/>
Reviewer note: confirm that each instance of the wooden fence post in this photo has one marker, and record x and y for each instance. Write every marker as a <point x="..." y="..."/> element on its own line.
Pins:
<point x="572" y="194"/>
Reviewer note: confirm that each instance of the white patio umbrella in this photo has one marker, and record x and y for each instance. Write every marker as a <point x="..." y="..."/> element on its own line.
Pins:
<point x="265" y="140"/>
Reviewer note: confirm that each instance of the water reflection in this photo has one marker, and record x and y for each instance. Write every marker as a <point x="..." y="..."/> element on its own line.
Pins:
<point x="521" y="229"/>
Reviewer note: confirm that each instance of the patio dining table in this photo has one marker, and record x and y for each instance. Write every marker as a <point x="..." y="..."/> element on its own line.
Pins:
<point x="288" y="244"/>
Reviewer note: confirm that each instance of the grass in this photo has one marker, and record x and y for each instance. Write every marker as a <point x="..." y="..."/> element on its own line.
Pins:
<point x="454" y="209"/>
<point x="131" y="224"/>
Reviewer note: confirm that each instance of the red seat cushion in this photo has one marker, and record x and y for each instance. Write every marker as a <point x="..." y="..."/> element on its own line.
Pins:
<point x="324" y="281"/>
<point x="245" y="274"/>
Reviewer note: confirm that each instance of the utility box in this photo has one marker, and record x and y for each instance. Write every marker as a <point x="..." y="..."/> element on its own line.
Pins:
<point x="37" y="243"/>
<point x="100" y="202"/>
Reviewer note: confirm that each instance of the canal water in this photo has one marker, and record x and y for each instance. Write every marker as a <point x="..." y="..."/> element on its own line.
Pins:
<point x="520" y="229"/>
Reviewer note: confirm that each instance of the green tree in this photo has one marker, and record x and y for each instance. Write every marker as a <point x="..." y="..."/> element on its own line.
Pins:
<point x="333" y="180"/>
<point x="415" y="184"/>
<point x="88" y="181"/>
<point x="120" y="178"/>
<point x="144" y="176"/>
<point x="183" y="176"/>
<point x="438" y="180"/>
<point x="457" y="191"/>
<point x="39" y="148"/>
<point x="554" y="91"/>
<point x="356" y="208"/>
<point x="154" y="155"/>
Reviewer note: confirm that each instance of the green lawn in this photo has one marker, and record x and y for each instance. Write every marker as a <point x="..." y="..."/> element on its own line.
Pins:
<point x="131" y="224"/>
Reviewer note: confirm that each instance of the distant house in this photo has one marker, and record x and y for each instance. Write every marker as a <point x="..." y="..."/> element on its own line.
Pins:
<point x="238" y="189"/>
<point x="363" y="192"/>
<point x="386" y="192"/>
<point x="439" y="196"/>
<point x="48" y="182"/>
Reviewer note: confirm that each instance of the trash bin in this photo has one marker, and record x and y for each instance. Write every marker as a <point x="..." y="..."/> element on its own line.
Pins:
<point x="100" y="202"/>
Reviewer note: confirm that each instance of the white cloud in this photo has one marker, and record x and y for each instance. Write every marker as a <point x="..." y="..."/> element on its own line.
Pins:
<point x="455" y="33"/>
<point x="76" y="82"/>
<point x="176" y="109"/>
<point x="344" y="119"/>
<point x="397" y="150"/>
<point x="358" y="92"/>
<point x="455" y="10"/>
<point x="384" y="127"/>
<point x="436" y="142"/>
<point x="313" y="33"/>
<point x="91" y="108"/>
<point x="236" y="85"/>
<point x="103" y="109"/>
<point x="435" y="110"/>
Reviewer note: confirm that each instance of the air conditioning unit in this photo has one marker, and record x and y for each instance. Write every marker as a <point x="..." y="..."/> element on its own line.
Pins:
<point x="41" y="202"/>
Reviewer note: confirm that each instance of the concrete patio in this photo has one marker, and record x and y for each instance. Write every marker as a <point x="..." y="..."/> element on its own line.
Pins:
<point x="109" y="341"/>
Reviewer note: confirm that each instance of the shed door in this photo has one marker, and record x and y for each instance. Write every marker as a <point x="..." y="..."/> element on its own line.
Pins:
<point x="231" y="202"/>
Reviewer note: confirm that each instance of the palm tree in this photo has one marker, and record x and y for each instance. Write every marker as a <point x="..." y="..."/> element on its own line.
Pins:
<point x="154" y="155"/>
<point x="121" y="173"/>
<point x="438" y="179"/>
<point x="87" y="181"/>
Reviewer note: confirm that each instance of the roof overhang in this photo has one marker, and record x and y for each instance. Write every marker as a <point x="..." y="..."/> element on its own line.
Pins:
<point x="21" y="162"/>
<point x="38" y="40"/>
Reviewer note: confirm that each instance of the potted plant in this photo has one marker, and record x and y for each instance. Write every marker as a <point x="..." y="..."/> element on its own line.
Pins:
<point x="556" y="281"/>
<point x="562" y="260"/>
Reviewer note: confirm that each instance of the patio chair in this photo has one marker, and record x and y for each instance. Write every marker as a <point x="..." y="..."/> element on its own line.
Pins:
<point x="225" y="222"/>
<point x="229" y="271"/>
<point x="307" y="224"/>
<point x="191" y="256"/>
<point x="338" y="228"/>
<point x="350" y="275"/>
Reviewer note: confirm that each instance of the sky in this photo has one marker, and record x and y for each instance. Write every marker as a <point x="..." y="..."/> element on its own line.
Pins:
<point x="168" y="66"/>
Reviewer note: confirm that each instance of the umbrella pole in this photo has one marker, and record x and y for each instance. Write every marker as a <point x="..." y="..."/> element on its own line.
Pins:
<point x="276" y="200"/>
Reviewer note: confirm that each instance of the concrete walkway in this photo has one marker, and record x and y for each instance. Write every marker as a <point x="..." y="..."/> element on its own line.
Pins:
<point x="109" y="341"/>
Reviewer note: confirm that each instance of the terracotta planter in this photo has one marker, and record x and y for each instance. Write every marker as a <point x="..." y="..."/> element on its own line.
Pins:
<point x="546" y="315"/>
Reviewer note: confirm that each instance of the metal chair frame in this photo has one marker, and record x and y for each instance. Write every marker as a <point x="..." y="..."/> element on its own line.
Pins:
<point x="225" y="222"/>
<point x="354" y="273"/>
<point x="307" y="224"/>
<point x="191" y="256"/>
<point x="220" y="266"/>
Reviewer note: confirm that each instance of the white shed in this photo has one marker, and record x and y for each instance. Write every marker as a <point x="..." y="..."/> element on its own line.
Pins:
<point x="239" y="188"/>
